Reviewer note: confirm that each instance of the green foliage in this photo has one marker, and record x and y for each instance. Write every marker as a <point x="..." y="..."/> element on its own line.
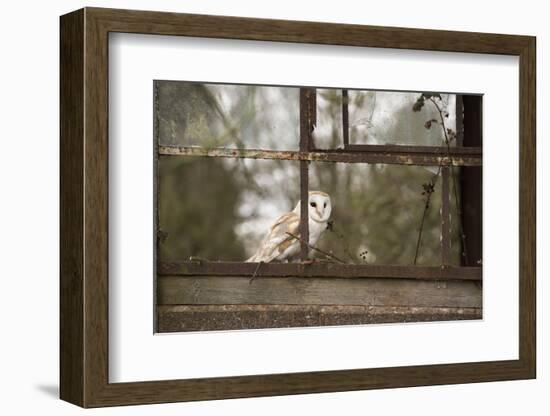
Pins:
<point x="377" y="208"/>
<point x="198" y="199"/>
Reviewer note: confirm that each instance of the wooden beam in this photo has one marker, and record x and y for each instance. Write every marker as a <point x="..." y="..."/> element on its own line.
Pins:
<point x="178" y="290"/>
<point x="185" y="318"/>
<point x="324" y="269"/>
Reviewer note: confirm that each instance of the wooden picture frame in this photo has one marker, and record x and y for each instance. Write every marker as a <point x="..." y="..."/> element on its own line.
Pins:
<point x="84" y="276"/>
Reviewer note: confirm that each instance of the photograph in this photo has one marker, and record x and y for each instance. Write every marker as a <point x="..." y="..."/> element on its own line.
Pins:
<point x="255" y="203"/>
<point x="294" y="206"/>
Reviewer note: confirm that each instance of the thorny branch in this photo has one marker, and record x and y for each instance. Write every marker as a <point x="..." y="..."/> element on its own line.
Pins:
<point x="429" y="189"/>
<point x="430" y="186"/>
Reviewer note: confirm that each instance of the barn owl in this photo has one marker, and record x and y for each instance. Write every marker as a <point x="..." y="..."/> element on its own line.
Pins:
<point x="279" y="245"/>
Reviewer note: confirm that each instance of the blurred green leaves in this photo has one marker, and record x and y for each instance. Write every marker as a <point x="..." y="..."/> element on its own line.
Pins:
<point x="197" y="201"/>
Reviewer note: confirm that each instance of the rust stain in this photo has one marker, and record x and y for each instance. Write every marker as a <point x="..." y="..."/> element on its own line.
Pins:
<point x="430" y="158"/>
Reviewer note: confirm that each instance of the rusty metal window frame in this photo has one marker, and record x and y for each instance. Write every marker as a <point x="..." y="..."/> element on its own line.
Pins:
<point x="448" y="158"/>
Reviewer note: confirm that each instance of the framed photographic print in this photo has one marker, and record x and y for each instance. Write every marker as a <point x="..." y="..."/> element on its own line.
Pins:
<point x="372" y="171"/>
<point x="257" y="207"/>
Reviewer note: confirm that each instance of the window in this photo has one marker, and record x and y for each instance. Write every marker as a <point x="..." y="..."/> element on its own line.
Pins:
<point x="402" y="172"/>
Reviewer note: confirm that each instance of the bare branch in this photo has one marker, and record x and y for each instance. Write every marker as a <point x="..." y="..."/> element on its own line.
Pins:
<point x="255" y="272"/>
<point x="326" y="254"/>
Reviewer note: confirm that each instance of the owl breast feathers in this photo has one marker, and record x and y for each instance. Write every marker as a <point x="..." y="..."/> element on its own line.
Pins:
<point x="279" y="243"/>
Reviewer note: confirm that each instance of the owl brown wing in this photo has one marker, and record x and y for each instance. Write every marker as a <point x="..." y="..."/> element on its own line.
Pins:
<point x="278" y="239"/>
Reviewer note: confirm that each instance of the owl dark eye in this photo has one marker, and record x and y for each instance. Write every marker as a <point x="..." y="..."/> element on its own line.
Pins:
<point x="313" y="204"/>
<point x="325" y="205"/>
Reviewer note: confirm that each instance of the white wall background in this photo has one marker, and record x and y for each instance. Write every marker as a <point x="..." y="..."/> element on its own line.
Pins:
<point x="29" y="207"/>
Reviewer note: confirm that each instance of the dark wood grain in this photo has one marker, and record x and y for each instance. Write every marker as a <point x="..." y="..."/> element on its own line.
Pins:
<point x="186" y="318"/>
<point x="84" y="215"/>
<point x="96" y="214"/>
<point x="226" y="27"/>
<point x="308" y="382"/>
<point x="324" y="269"/>
<point x="527" y="210"/>
<point x="71" y="343"/>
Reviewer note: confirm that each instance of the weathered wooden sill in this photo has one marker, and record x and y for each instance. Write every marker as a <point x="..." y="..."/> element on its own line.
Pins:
<point x="325" y="269"/>
<point x="186" y="318"/>
<point x="200" y="303"/>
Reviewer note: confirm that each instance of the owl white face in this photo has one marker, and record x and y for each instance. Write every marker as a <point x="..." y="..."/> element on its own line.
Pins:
<point x="319" y="206"/>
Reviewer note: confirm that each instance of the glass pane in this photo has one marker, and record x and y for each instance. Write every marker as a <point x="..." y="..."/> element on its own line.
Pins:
<point x="382" y="117"/>
<point x="328" y="132"/>
<point x="385" y="118"/>
<point x="377" y="211"/>
<point x="230" y="116"/>
<point x="219" y="209"/>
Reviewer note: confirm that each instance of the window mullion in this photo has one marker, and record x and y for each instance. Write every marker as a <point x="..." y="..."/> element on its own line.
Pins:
<point x="304" y="214"/>
<point x="471" y="180"/>
<point x="345" y="118"/>
<point x="306" y="125"/>
<point x="445" y="216"/>
<point x="459" y="121"/>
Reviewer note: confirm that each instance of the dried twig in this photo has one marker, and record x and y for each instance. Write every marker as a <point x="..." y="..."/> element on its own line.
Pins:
<point x="256" y="270"/>
<point x="417" y="107"/>
<point x="342" y="239"/>
<point x="326" y="254"/>
<point x="429" y="189"/>
<point x="453" y="176"/>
